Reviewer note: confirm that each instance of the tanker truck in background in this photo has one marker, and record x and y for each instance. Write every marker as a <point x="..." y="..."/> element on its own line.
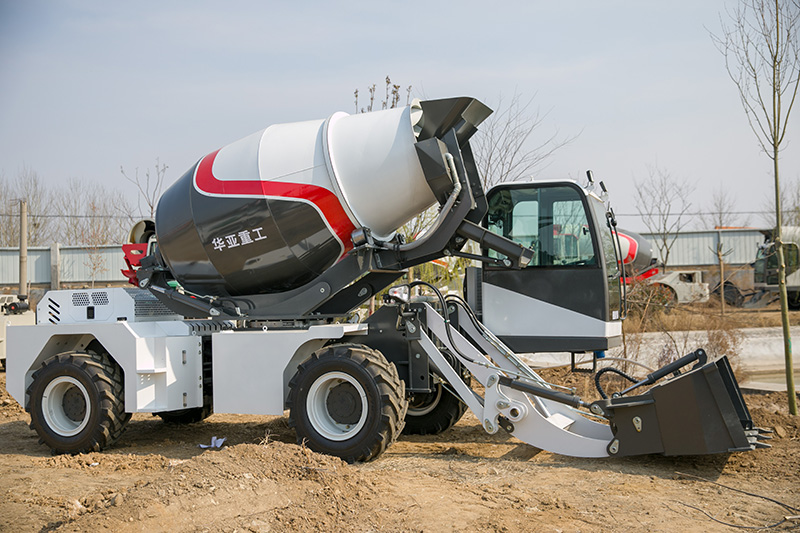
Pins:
<point x="247" y="278"/>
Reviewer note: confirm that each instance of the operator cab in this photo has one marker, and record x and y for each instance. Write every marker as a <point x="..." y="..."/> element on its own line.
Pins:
<point x="568" y="298"/>
<point x="765" y="268"/>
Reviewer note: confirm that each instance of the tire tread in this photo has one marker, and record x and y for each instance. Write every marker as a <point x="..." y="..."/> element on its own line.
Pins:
<point x="108" y="378"/>
<point x="391" y="390"/>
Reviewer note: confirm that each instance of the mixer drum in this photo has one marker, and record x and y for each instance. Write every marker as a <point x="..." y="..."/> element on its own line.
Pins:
<point x="271" y="212"/>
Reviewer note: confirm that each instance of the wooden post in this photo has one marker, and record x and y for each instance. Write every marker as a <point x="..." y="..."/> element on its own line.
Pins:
<point x="23" y="247"/>
<point x="55" y="267"/>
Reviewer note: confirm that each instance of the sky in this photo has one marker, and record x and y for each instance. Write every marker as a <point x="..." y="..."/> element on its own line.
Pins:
<point x="89" y="87"/>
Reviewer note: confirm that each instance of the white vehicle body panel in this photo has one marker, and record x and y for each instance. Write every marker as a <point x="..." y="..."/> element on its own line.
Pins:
<point x="162" y="360"/>
<point x="252" y="369"/>
<point x="9" y="321"/>
<point x="512" y="313"/>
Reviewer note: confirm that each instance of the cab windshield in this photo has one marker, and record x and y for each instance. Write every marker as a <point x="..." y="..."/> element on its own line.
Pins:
<point x="552" y="221"/>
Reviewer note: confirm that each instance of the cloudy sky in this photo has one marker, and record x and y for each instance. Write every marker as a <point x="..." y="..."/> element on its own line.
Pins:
<point x="87" y="87"/>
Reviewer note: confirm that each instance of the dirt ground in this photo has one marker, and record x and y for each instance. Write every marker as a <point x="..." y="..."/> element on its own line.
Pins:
<point x="157" y="479"/>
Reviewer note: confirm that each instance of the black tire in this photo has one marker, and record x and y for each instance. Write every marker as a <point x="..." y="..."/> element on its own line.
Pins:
<point x="77" y="403"/>
<point x="732" y="295"/>
<point x="347" y="400"/>
<point x="793" y="300"/>
<point x="434" y="413"/>
<point x="189" y="416"/>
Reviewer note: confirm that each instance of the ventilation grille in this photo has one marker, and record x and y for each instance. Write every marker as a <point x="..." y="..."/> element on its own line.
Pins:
<point x="145" y="304"/>
<point x="151" y="308"/>
<point x="99" y="298"/>
<point x="80" y="299"/>
<point x="53" y="311"/>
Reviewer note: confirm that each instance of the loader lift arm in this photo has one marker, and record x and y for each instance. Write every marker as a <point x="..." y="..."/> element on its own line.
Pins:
<point x="697" y="412"/>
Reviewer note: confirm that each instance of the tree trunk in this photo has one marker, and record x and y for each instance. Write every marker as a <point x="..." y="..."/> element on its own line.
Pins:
<point x="721" y="276"/>
<point x="787" y="336"/>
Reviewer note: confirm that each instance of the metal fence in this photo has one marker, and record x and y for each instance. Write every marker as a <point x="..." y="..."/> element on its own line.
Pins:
<point x="75" y="264"/>
<point x="699" y="248"/>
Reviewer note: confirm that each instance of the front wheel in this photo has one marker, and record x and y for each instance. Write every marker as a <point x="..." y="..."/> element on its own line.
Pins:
<point x="76" y="402"/>
<point x="347" y="400"/>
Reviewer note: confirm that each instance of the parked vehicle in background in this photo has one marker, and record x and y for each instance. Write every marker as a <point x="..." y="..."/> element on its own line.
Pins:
<point x="677" y="286"/>
<point x="766" y="265"/>
<point x="684" y="286"/>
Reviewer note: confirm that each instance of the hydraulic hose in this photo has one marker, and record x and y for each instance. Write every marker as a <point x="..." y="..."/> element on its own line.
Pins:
<point x="443" y="302"/>
<point x="612" y="370"/>
<point x="448" y="205"/>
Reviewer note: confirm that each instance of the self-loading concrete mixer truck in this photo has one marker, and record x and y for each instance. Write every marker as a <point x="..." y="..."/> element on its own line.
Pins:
<point x="259" y="254"/>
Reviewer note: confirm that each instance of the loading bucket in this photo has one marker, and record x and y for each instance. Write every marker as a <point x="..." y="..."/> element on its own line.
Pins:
<point x="698" y="412"/>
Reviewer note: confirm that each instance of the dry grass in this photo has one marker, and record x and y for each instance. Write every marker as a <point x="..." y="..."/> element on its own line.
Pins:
<point x="650" y="312"/>
<point x="683" y="329"/>
<point x="694" y="317"/>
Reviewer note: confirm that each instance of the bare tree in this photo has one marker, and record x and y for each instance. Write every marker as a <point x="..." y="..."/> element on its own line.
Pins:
<point x="790" y="205"/>
<point x="761" y="45"/>
<point x="28" y="186"/>
<point x="663" y="203"/>
<point x="7" y="198"/>
<point x="391" y="96"/>
<point x="506" y="147"/>
<point x="721" y="211"/>
<point x="149" y="184"/>
<point x="90" y="214"/>
<point x="95" y="236"/>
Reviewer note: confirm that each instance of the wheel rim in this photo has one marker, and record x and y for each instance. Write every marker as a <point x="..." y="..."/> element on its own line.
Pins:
<point x="66" y="406"/>
<point x="422" y="404"/>
<point x="337" y="406"/>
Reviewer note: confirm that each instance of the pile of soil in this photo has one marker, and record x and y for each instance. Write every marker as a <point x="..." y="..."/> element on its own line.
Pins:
<point x="156" y="478"/>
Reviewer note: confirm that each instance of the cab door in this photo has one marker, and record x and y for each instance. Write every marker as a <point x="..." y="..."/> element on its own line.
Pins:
<point x="568" y="298"/>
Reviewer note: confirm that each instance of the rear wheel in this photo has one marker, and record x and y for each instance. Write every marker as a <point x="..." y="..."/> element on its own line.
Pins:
<point x="793" y="300"/>
<point x="347" y="400"/>
<point x="76" y="402"/>
<point x="732" y="295"/>
<point x="435" y="412"/>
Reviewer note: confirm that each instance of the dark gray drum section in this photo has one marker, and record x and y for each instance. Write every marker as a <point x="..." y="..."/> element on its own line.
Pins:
<point x="241" y="246"/>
